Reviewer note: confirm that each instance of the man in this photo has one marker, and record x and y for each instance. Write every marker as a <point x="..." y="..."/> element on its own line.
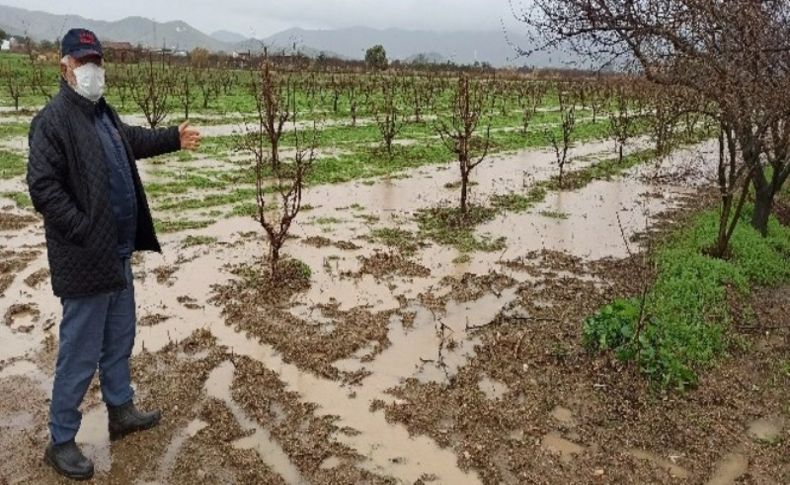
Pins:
<point x="82" y="176"/>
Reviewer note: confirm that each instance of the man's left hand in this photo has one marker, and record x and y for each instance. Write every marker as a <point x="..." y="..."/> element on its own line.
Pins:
<point x="190" y="137"/>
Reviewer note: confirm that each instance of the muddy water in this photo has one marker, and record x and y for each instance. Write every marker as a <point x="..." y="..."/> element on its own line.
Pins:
<point x="218" y="386"/>
<point x="433" y="348"/>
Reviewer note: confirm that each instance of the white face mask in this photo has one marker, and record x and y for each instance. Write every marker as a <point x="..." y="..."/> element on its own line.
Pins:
<point x="90" y="81"/>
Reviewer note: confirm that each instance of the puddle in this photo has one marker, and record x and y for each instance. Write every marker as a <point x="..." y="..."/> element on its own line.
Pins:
<point x="331" y="462"/>
<point x="433" y="348"/>
<point x="174" y="448"/>
<point x="30" y="370"/>
<point x="94" y="438"/>
<point x="378" y="441"/>
<point x="563" y="416"/>
<point x="493" y="389"/>
<point x="218" y="386"/>
<point x="764" y="430"/>
<point x="731" y="467"/>
<point x="18" y="421"/>
<point x="674" y="470"/>
<point x="556" y="444"/>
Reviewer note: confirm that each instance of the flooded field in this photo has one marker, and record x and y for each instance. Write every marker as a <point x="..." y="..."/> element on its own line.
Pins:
<point x="398" y="360"/>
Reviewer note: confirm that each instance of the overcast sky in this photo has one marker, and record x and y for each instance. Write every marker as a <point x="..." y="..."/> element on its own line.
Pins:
<point x="261" y="18"/>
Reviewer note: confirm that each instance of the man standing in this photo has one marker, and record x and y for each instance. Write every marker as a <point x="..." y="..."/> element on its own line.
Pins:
<point x="82" y="176"/>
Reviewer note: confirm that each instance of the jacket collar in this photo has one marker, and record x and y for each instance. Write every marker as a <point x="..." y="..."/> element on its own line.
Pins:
<point x="85" y="105"/>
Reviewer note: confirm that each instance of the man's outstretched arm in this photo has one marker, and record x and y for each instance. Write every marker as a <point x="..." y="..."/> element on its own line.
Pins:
<point x="148" y="143"/>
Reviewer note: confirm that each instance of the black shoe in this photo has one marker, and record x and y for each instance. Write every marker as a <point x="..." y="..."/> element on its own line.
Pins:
<point x="126" y="418"/>
<point x="68" y="460"/>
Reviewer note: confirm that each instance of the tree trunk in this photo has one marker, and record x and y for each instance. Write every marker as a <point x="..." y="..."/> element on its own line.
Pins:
<point x="464" y="190"/>
<point x="763" y="203"/>
<point x="274" y="258"/>
<point x="275" y="153"/>
<point x="722" y="241"/>
<point x="562" y="171"/>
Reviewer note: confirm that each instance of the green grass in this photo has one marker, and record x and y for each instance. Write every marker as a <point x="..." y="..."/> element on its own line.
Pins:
<point x="10" y="130"/>
<point x="12" y="164"/>
<point x="686" y="312"/>
<point x="191" y="241"/>
<point x="405" y="241"/>
<point x="21" y="199"/>
<point x="182" y="185"/>
<point x="603" y="170"/>
<point x="234" y="197"/>
<point x="449" y="227"/>
<point x="519" y="203"/>
<point x="554" y="214"/>
<point x="169" y="226"/>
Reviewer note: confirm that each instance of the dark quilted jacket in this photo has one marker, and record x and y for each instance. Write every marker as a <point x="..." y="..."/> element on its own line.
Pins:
<point x="67" y="179"/>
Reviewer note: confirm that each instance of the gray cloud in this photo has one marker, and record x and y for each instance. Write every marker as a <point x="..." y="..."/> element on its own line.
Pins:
<point x="262" y="18"/>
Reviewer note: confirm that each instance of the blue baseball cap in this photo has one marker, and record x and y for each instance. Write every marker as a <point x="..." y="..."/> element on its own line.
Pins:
<point x="79" y="43"/>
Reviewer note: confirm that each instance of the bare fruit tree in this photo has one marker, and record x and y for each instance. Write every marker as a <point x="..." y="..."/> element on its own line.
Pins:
<point x="387" y="113"/>
<point x="119" y="81"/>
<point x="353" y="100"/>
<point x="733" y="177"/>
<point x="562" y="141"/>
<point x="185" y="90"/>
<point x="621" y="119"/>
<point x="279" y="187"/>
<point x="14" y="84"/>
<point x="150" y="88"/>
<point x="275" y="106"/>
<point x="203" y="79"/>
<point x="529" y="95"/>
<point x="40" y="80"/>
<point x="470" y="107"/>
<point x="276" y="216"/>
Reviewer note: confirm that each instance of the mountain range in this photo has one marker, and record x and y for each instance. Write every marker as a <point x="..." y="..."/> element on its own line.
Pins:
<point x="462" y="47"/>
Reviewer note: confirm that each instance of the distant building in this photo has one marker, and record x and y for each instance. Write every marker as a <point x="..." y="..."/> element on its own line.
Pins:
<point x="118" y="51"/>
<point x="17" y="44"/>
<point x="5" y="45"/>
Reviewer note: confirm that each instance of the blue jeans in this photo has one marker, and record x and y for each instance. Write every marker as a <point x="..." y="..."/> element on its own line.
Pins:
<point x="96" y="331"/>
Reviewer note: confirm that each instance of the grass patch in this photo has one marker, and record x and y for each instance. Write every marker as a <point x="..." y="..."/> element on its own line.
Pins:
<point x="603" y="170"/>
<point x="236" y="196"/>
<point x="247" y="209"/>
<point x="21" y="199"/>
<point x="10" y="130"/>
<point x="405" y="241"/>
<point x="517" y="202"/>
<point x="449" y="227"/>
<point x="327" y="221"/>
<point x="12" y="164"/>
<point x="686" y="312"/>
<point x="192" y="241"/>
<point x="170" y="226"/>
<point x="554" y="214"/>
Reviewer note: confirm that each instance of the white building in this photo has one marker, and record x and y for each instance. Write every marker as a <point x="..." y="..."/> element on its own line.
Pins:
<point x="5" y="45"/>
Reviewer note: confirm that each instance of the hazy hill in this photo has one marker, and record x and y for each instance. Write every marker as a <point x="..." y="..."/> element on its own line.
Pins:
<point x="350" y="43"/>
<point x="228" y="36"/>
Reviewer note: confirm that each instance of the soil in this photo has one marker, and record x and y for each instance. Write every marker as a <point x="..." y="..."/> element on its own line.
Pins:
<point x="13" y="262"/>
<point x="11" y="222"/>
